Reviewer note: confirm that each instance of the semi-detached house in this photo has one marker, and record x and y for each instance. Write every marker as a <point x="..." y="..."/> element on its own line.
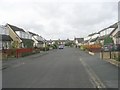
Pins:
<point x="78" y="41"/>
<point x="5" y="39"/>
<point x="21" y="39"/>
<point x="93" y="38"/>
<point x="38" y="40"/>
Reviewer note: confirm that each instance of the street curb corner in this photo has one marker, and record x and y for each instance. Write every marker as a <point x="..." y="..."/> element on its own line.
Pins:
<point x="113" y="62"/>
<point x="91" y="53"/>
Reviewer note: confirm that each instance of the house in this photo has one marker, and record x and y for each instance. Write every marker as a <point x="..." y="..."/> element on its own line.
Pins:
<point x="21" y="39"/>
<point x="87" y="39"/>
<point x="61" y="42"/>
<point x="93" y="38"/>
<point x="58" y="42"/>
<point x="78" y="41"/>
<point x="104" y="35"/>
<point x="38" y="40"/>
<point x="115" y="34"/>
<point x="91" y="42"/>
<point x="50" y="42"/>
<point x="45" y="42"/>
<point x="108" y="35"/>
<point x="6" y="40"/>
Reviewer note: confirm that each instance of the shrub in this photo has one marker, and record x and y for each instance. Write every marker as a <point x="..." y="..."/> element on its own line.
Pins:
<point x="44" y="48"/>
<point x="54" y="46"/>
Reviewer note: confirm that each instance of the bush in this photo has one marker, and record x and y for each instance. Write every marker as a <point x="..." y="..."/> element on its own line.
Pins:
<point x="10" y="52"/>
<point x="47" y="48"/>
<point x="82" y="47"/>
<point x="54" y="46"/>
<point x="44" y="48"/>
<point x="26" y="54"/>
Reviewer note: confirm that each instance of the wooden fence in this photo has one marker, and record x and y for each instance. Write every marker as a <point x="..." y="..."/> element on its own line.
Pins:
<point x="21" y="51"/>
<point x="6" y="53"/>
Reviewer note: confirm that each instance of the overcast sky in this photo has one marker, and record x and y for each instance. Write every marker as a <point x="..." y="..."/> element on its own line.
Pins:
<point x="59" y="19"/>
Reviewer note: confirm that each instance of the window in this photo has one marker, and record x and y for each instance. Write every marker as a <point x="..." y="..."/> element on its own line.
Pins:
<point x="26" y="35"/>
<point x="23" y="34"/>
<point x="18" y="33"/>
<point x="35" y="37"/>
<point x="29" y="36"/>
<point x="4" y="31"/>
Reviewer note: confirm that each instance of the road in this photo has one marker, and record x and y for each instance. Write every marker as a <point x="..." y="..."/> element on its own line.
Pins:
<point x="65" y="68"/>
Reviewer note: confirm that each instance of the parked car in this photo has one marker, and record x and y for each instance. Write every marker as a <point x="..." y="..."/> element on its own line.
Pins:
<point x="61" y="47"/>
<point x="105" y="48"/>
<point x="108" y="48"/>
<point x="117" y="47"/>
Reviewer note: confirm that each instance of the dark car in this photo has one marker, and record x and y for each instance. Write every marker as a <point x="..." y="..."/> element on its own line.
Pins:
<point x="117" y="47"/>
<point x="107" y="48"/>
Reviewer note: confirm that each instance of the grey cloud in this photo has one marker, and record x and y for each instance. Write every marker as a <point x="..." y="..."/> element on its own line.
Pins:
<point x="60" y="19"/>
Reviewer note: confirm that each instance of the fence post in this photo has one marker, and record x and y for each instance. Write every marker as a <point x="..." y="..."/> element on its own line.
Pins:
<point x="16" y="53"/>
<point x="110" y="54"/>
<point x="102" y="54"/>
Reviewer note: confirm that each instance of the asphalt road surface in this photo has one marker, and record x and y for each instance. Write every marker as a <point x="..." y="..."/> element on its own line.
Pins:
<point x="65" y="68"/>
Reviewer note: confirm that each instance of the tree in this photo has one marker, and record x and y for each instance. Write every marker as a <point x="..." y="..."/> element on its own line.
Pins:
<point x="108" y="40"/>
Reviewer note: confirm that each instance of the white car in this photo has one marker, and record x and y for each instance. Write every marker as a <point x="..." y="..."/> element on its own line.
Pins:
<point x="61" y="47"/>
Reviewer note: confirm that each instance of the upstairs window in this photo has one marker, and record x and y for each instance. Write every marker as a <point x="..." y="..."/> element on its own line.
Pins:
<point x="4" y="30"/>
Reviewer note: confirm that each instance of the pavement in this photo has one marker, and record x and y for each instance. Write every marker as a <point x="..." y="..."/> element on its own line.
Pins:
<point x="111" y="61"/>
<point x="107" y="72"/>
<point x="65" y="68"/>
<point x="14" y="61"/>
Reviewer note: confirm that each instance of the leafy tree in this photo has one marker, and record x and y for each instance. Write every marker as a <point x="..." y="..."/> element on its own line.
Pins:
<point x="108" y="40"/>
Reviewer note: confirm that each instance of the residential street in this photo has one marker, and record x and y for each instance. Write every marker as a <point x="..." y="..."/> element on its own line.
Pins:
<point x="64" y="68"/>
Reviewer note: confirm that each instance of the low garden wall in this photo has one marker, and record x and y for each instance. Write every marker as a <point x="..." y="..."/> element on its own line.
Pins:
<point x="110" y="55"/>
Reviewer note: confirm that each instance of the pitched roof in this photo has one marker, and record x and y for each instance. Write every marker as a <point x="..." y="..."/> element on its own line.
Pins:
<point x="24" y="39"/>
<point x="113" y="30"/>
<point x="80" y="40"/>
<point x="102" y="37"/>
<point x="94" y="39"/>
<point x="14" y="28"/>
<point x="117" y="35"/>
<point x="86" y="41"/>
<point x="112" y="26"/>
<point x="6" y="38"/>
<point x="92" y="34"/>
<point x="39" y="40"/>
<point x="32" y="33"/>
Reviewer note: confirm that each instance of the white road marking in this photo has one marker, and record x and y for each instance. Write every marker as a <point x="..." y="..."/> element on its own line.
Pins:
<point x="97" y="83"/>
